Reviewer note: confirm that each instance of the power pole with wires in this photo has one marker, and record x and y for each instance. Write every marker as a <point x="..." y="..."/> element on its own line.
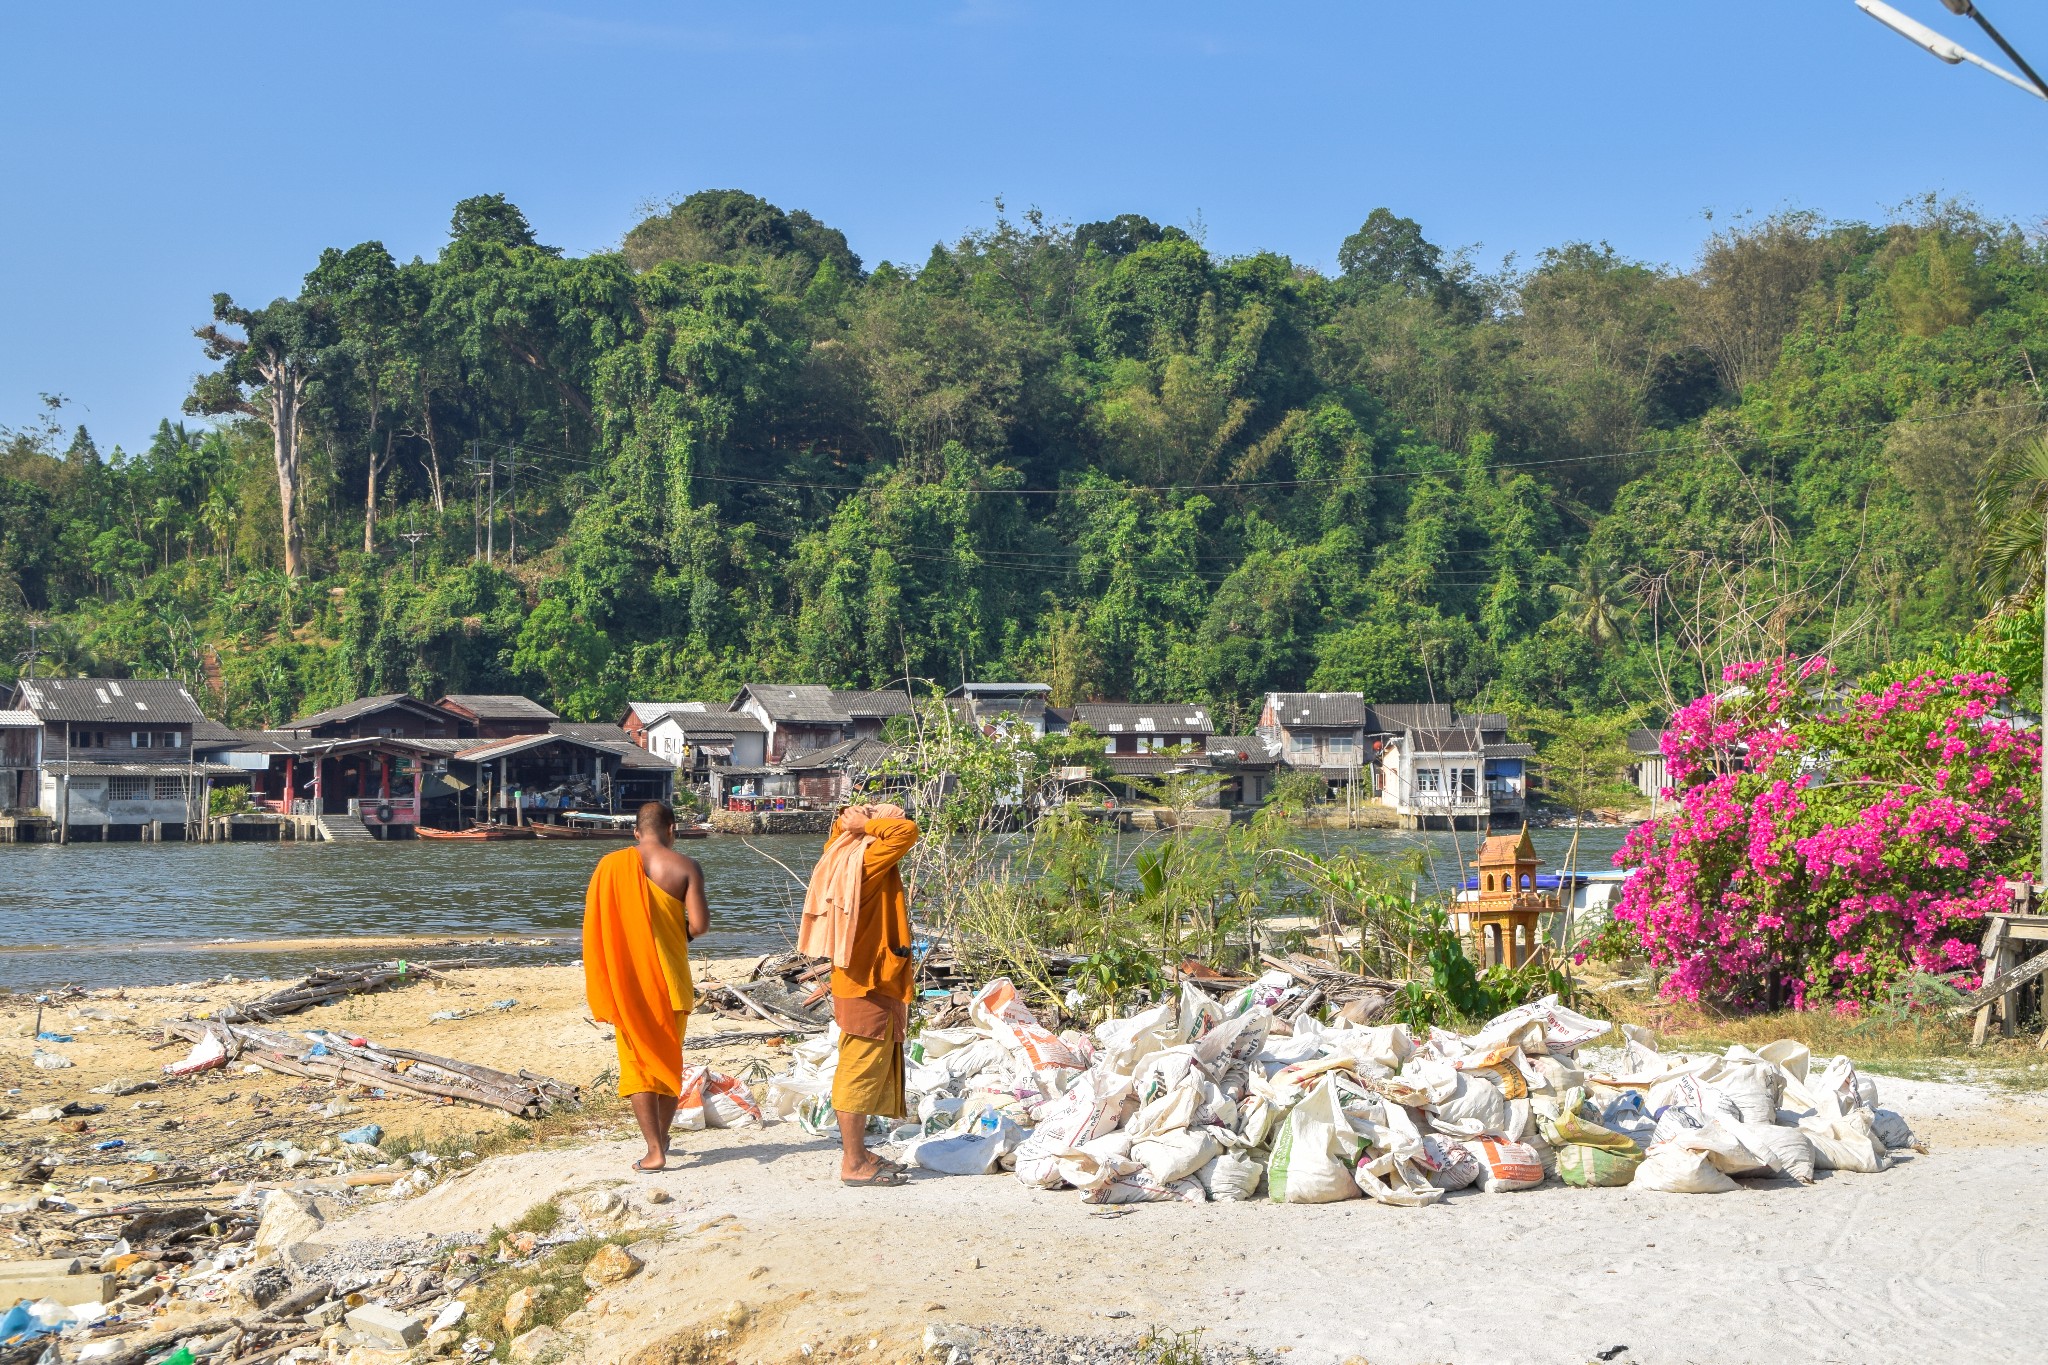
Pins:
<point x="412" y="536"/>
<point x="512" y="518"/>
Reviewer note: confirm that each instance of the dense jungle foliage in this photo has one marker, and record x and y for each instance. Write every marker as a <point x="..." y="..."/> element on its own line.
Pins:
<point x="1100" y="456"/>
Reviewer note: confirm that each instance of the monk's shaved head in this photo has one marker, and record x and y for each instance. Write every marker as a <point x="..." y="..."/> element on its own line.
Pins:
<point x="657" y="819"/>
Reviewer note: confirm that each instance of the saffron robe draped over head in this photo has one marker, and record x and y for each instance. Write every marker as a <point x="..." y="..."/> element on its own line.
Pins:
<point x="855" y="912"/>
<point x="636" y="970"/>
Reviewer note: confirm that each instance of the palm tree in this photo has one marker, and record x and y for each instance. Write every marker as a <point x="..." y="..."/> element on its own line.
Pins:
<point x="2012" y="550"/>
<point x="1595" y="603"/>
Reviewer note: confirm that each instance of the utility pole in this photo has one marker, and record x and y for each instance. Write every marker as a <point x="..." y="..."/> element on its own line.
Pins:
<point x="512" y="520"/>
<point x="412" y="536"/>
<point x="476" y="497"/>
<point x="491" y="521"/>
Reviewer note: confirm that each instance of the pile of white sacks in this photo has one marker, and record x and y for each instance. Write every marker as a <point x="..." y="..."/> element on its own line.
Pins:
<point x="1205" y="1099"/>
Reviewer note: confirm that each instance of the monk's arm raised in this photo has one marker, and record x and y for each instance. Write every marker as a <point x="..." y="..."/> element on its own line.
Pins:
<point x="892" y="836"/>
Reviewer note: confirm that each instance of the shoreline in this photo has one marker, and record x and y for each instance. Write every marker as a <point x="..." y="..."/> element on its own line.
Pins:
<point x="285" y="945"/>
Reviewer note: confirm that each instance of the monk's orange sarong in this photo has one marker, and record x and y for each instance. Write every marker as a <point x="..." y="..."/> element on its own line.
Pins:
<point x="858" y="915"/>
<point x="636" y="971"/>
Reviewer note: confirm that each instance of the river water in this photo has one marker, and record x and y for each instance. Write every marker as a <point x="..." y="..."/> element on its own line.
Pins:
<point x="149" y="914"/>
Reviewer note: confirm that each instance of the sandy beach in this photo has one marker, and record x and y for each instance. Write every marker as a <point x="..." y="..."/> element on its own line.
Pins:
<point x="757" y="1241"/>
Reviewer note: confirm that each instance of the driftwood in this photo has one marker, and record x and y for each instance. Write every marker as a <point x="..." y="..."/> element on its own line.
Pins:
<point x="524" y="1093"/>
<point x="1359" y="999"/>
<point x="334" y="983"/>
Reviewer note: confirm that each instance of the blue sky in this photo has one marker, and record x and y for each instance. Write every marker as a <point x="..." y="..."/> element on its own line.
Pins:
<point x="155" y="153"/>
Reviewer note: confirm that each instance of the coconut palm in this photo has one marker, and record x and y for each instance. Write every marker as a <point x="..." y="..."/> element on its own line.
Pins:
<point x="2012" y="549"/>
<point x="1595" y="603"/>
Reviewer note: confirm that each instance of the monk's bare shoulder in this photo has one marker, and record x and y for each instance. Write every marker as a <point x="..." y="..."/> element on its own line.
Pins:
<point x="670" y="870"/>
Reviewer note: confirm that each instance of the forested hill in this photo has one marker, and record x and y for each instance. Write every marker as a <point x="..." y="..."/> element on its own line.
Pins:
<point x="1100" y="456"/>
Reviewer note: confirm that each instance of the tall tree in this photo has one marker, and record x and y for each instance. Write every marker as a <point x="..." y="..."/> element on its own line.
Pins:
<point x="266" y="373"/>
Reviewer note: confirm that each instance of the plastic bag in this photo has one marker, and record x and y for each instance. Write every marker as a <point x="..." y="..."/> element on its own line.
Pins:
<point x="975" y="1152"/>
<point x="1095" y="1105"/>
<point x="1140" y="1188"/>
<point x="1474" y="1107"/>
<point x="706" y="1099"/>
<point x="1721" y="1143"/>
<point x="1234" y="1177"/>
<point x="1505" y="1165"/>
<point x="1587" y="1167"/>
<point x="1688" y="1091"/>
<point x="997" y="1009"/>
<point x="1845" y="1142"/>
<point x="1753" y="1086"/>
<point x="1788" y="1150"/>
<point x="1449" y="1164"/>
<point x="1893" y="1131"/>
<point x="1397" y="1170"/>
<point x="1540" y="1026"/>
<point x="1670" y="1169"/>
<point x="1175" y="1155"/>
<point x="1315" y="1151"/>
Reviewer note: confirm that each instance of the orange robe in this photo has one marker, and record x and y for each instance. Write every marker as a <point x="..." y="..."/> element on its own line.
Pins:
<point x="636" y="971"/>
<point x="876" y="981"/>
<point x="871" y="994"/>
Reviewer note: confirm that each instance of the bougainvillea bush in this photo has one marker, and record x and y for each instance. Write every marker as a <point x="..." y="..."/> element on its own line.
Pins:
<point x="1828" y="841"/>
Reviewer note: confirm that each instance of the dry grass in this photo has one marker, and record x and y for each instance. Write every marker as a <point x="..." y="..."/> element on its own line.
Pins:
<point x="556" y="1275"/>
<point x="1925" y="1045"/>
<point x="600" y="1115"/>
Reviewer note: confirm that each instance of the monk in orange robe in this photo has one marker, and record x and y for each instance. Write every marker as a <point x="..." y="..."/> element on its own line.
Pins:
<point x="644" y="905"/>
<point x="855" y="912"/>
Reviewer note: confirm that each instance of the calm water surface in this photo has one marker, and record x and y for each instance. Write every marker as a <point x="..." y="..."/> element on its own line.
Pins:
<point x="138" y="914"/>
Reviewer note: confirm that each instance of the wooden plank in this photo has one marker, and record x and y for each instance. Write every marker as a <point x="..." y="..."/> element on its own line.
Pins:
<point x="2003" y="983"/>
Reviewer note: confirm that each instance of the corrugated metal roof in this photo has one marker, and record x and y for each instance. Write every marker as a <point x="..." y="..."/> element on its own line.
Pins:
<point x="886" y="701"/>
<point x="1120" y="718"/>
<point x="146" y="770"/>
<point x="1646" y="742"/>
<point x="363" y="706"/>
<point x="1254" y="748"/>
<point x="500" y="748"/>
<point x="1392" y="716"/>
<point x="112" y="700"/>
<point x="799" y="704"/>
<point x="19" y="720"/>
<point x="497" y="706"/>
<point x="858" y="754"/>
<point x="1344" y="710"/>
<point x="1152" y="765"/>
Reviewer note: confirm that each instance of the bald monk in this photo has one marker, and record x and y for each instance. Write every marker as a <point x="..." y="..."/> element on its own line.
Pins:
<point x="644" y="905"/>
<point x="855" y="913"/>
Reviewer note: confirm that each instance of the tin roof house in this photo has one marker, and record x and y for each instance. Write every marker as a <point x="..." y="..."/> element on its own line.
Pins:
<point x="113" y="756"/>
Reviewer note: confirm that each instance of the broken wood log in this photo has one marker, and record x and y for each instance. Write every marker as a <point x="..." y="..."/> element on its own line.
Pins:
<point x="421" y="1073"/>
<point x="328" y="984"/>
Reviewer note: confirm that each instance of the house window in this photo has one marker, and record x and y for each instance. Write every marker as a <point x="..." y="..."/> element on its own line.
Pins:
<point x="1302" y="746"/>
<point x="170" y="789"/>
<point x="1109" y="745"/>
<point x="138" y="739"/>
<point x="171" y="739"/>
<point x="127" y="789"/>
<point x="1429" y="779"/>
<point x="1344" y="749"/>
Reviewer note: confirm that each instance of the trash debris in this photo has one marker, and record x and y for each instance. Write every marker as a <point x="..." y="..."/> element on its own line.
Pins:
<point x="1219" y="1093"/>
<point x="332" y="1057"/>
